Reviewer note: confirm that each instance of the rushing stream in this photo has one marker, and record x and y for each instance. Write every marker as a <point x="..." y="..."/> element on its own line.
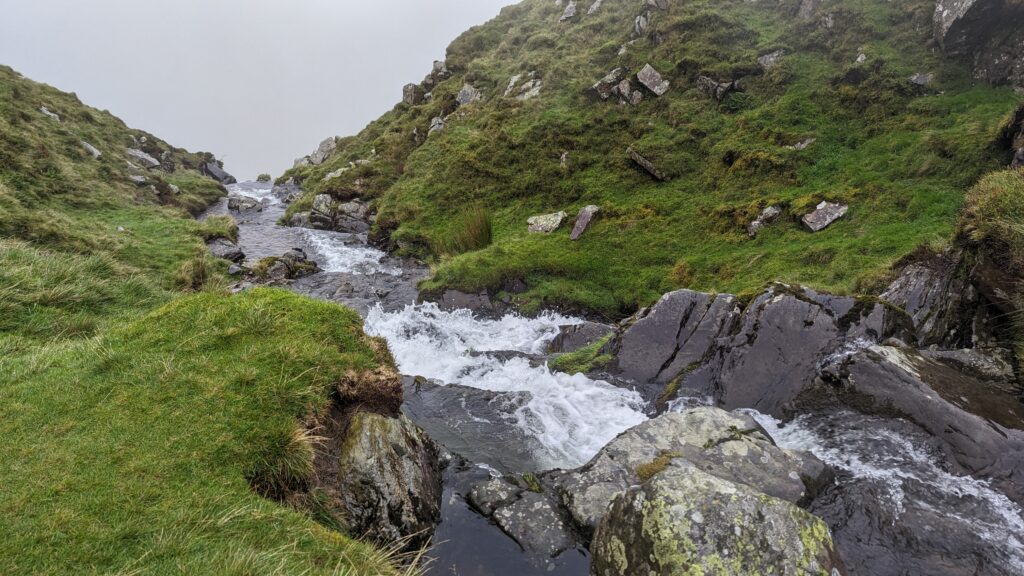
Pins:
<point x="487" y="394"/>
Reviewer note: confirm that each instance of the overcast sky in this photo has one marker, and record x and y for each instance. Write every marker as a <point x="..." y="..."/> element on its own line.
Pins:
<point x="257" y="82"/>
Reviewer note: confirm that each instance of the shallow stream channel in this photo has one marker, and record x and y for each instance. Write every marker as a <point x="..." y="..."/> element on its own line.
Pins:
<point x="481" y="387"/>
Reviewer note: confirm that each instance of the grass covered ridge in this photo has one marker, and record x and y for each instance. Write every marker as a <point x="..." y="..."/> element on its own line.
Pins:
<point x="900" y="155"/>
<point x="137" y="451"/>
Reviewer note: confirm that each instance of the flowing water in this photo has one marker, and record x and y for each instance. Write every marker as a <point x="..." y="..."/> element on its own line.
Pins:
<point x="486" y="393"/>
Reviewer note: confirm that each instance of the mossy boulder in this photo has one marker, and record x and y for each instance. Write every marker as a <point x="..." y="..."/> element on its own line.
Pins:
<point x="685" y="521"/>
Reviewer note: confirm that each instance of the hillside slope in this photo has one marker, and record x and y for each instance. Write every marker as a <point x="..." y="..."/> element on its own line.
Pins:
<point x="138" y="417"/>
<point x="832" y="115"/>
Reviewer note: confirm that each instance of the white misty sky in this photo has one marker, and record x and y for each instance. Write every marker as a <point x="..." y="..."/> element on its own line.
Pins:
<point x="257" y="82"/>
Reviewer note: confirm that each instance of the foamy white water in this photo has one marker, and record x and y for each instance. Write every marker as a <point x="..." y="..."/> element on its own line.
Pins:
<point x="572" y="417"/>
<point x="910" y="473"/>
<point x="261" y="191"/>
<point x="343" y="253"/>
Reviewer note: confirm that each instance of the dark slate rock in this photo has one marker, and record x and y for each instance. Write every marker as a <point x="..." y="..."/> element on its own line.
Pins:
<point x="214" y="170"/>
<point x="572" y="338"/>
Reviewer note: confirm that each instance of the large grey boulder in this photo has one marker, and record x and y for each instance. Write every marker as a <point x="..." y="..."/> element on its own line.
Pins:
<point x="143" y="158"/>
<point x="92" y="150"/>
<point x="468" y="95"/>
<point x="652" y="80"/>
<point x="325" y="149"/>
<point x="583" y="220"/>
<point x="824" y="215"/>
<point x="535" y="523"/>
<point x="214" y="170"/>
<point x="244" y="204"/>
<point x="546" y="223"/>
<point x="329" y="214"/>
<point x="730" y="446"/>
<point x="226" y="250"/>
<point x="389" y="479"/>
<point x="412" y="94"/>
<point x="686" y="521"/>
<point x="572" y="338"/>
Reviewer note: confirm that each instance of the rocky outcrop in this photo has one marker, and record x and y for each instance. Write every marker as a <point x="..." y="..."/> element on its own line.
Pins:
<point x="412" y="94"/>
<point x="145" y="159"/>
<point x="326" y="148"/>
<point x="329" y="214"/>
<point x="572" y="338"/>
<point x="525" y="90"/>
<point x="289" y="266"/>
<point x="468" y="94"/>
<point x="569" y="13"/>
<point x="389" y="480"/>
<point x="583" y="220"/>
<point x="824" y="215"/>
<point x="546" y="223"/>
<point x="986" y="32"/>
<point x="715" y="89"/>
<point x="686" y="521"/>
<point x="767" y="216"/>
<point x="604" y="88"/>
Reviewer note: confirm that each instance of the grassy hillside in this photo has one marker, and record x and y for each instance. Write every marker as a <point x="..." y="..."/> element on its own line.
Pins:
<point x="901" y="155"/>
<point x="142" y="407"/>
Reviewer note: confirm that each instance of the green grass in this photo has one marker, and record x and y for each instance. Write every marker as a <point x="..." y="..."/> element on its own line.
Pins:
<point x="902" y="157"/>
<point x="137" y="451"/>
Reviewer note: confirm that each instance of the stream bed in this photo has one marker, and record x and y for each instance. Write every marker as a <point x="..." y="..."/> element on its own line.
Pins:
<point x="485" y="392"/>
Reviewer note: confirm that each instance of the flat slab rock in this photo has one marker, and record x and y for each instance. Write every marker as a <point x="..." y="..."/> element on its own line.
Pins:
<point x="652" y="80"/>
<point x="583" y="220"/>
<point x="546" y="223"/>
<point x="824" y="215"/>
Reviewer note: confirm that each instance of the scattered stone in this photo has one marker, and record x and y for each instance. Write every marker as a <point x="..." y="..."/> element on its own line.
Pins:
<point x="715" y="89"/>
<point x="120" y="228"/>
<point x="646" y="164"/>
<point x="861" y="58"/>
<point x="570" y="12"/>
<point x="138" y="180"/>
<point x="146" y="160"/>
<point x="226" y="250"/>
<point x="468" y="95"/>
<point x="657" y="4"/>
<point x="512" y="83"/>
<point x="336" y="173"/>
<point x="653" y="81"/>
<point x="767" y="216"/>
<point x="605" y="87"/>
<point x="244" y="204"/>
<point x="529" y="89"/>
<point x="91" y="149"/>
<point x="686" y="521"/>
<point x="534" y="523"/>
<point x="801" y="145"/>
<point x="626" y="93"/>
<point x="174" y="189"/>
<point x="438" y="124"/>
<point x="641" y="24"/>
<point x="922" y="79"/>
<point x="49" y="114"/>
<point x="326" y="148"/>
<point x="594" y="7"/>
<point x="768" y="61"/>
<point x="214" y="170"/>
<point x="824" y="215"/>
<point x="564" y="161"/>
<point x="412" y="94"/>
<point x="583" y="220"/>
<point x="235" y="270"/>
<point x="546" y="223"/>
<point x="807" y="9"/>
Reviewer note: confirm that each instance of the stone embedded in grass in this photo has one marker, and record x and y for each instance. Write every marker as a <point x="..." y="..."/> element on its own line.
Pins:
<point x="437" y="124"/>
<point x="46" y="112"/>
<point x="570" y="12"/>
<point x="594" y="7"/>
<point x="546" y="223"/>
<point x="646" y="164"/>
<point x="807" y="9"/>
<point x="325" y="149"/>
<point x="626" y="93"/>
<point x="583" y="220"/>
<point x="226" y="250"/>
<point x="715" y="89"/>
<point x="138" y="180"/>
<point x="767" y="216"/>
<point x="641" y="24"/>
<point x="468" y="95"/>
<point x="652" y="80"/>
<point x="801" y="145"/>
<point x="824" y="215"/>
<point x="95" y="152"/>
<point x="768" y="61"/>
<point x="921" y="79"/>
<point x="146" y="160"/>
<point x="529" y="89"/>
<point x="605" y="87"/>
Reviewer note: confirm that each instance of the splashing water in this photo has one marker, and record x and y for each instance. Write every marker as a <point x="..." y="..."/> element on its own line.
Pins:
<point x="347" y="254"/>
<point x="572" y="417"/>
<point x="910" y="473"/>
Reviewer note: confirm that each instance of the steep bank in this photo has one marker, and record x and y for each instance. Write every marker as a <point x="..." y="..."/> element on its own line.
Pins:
<point x="765" y="104"/>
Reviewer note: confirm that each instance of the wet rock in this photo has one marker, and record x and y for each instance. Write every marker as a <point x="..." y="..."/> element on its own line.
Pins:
<point x="92" y="150"/>
<point x="729" y="446"/>
<point x="326" y="148"/>
<point x="546" y="223"/>
<point x="226" y="250"/>
<point x="605" y="86"/>
<point x="946" y="309"/>
<point x="535" y="524"/>
<point x="143" y="158"/>
<point x="213" y="170"/>
<point x="492" y="495"/>
<point x="981" y="428"/>
<point x="51" y="115"/>
<point x="646" y="164"/>
<point x="824" y="215"/>
<point x="653" y="81"/>
<point x="569" y="13"/>
<point x="412" y="94"/>
<point x="438" y="124"/>
<point x="243" y="204"/>
<point x="994" y="366"/>
<point x="767" y="216"/>
<point x="583" y="220"/>
<point x="769" y="60"/>
<point x="572" y="338"/>
<point x="389" y="479"/>
<point x="715" y="89"/>
<point x="468" y="95"/>
<point x="686" y="521"/>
